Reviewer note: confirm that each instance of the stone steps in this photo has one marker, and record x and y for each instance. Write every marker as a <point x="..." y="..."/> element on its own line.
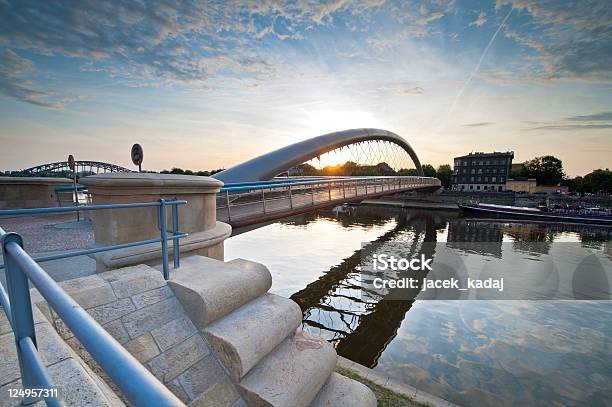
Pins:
<point x="291" y="375"/>
<point x="340" y="391"/>
<point x="243" y="337"/>
<point x="210" y="289"/>
<point x="253" y="333"/>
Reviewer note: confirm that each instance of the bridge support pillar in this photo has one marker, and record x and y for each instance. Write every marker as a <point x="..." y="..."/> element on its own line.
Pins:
<point x="116" y="226"/>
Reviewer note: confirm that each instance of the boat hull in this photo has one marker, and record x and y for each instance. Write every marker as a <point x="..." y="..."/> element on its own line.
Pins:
<point x="535" y="215"/>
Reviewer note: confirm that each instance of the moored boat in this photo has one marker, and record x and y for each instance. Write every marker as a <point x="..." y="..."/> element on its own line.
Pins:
<point x="592" y="216"/>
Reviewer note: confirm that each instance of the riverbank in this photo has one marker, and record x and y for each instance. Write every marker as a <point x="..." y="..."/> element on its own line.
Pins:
<point x="389" y="392"/>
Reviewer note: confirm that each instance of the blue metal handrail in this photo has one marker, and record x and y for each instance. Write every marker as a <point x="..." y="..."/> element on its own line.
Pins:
<point x="267" y="184"/>
<point x="161" y="220"/>
<point x="138" y="385"/>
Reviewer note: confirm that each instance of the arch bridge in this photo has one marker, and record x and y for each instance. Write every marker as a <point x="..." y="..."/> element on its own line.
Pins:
<point x="61" y="168"/>
<point x="267" y="188"/>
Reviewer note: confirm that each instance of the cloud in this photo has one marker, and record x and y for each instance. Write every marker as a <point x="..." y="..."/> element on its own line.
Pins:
<point x="417" y="90"/>
<point x="573" y="127"/>
<point x="480" y="21"/>
<point x="572" y="39"/>
<point x="596" y="117"/>
<point x="479" y="124"/>
<point x="595" y="121"/>
<point x="12" y="70"/>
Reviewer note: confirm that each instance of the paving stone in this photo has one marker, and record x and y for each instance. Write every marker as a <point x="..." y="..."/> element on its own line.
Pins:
<point x="151" y="297"/>
<point x="94" y="297"/>
<point x="240" y="403"/>
<point x="75" y="386"/>
<point x="62" y="329"/>
<point x="127" y="287"/>
<point x="83" y="283"/>
<point x="109" y="312"/>
<point x="202" y="376"/>
<point x="117" y="331"/>
<point x="142" y="348"/>
<point x="128" y="272"/>
<point x="175" y="387"/>
<point x="9" y="366"/>
<point x="51" y="347"/>
<point x="176" y="360"/>
<point x="152" y="316"/>
<point x="221" y="394"/>
<point x="5" y="325"/>
<point x="173" y="332"/>
<point x="5" y="399"/>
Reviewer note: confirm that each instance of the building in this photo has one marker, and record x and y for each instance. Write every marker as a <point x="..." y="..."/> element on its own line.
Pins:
<point x="530" y="186"/>
<point x="480" y="172"/>
<point x="522" y="184"/>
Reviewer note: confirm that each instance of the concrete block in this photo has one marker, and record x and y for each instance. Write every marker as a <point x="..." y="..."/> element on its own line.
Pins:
<point x="117" y="331"/>
<point x="176" y="360"/>
<point x="173" y="332"/>
<point x="127" y="272"/>
<point x="151" y="317"/>
<point x="175" y="387"/>
<point x="210" y="289"/>
<point x="114" y="310"/>
<point x="9" y="365"/>
<point x="340" y="391"/>
<point x="69" y="376"/>
<point x="94" y="297"/>
<point x="127" y="287"/>
<point x="290" y="375"/>
<point x="151" y="297"/>
<point x="200" y="377"/>
<point x="142" y="348"/>
<point x="221" y="394"/>
<point x="243" y="337"/>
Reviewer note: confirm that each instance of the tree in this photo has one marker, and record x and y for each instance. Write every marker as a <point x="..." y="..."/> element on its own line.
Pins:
<point x="429" y="170"/>
<point x="547" y="170"/>
<point x="407" y="172"/>
<point x="444" y="175"/>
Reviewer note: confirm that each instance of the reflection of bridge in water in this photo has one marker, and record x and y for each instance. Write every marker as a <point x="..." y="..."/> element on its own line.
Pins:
<point x="360" y="322"/>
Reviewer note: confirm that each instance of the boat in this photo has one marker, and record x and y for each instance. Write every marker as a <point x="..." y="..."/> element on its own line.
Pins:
<point x="589" y="215"/>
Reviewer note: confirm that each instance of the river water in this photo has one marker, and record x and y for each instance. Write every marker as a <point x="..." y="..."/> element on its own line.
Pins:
<point x="470" y="352"/>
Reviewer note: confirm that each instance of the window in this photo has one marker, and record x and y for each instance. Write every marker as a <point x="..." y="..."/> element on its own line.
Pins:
<point x="494" y="170"/>
<point x="493" y="179"/>
<point x="473" y="171"/>
<point x="501" y="179"/>
<point x="471" y="186"/>
<point x="480" y="170"/>
<point x="486" y="179"/>
<point x="471" y="179"/>
<point x="478" y="187"/>
<point x="488" y="162"/>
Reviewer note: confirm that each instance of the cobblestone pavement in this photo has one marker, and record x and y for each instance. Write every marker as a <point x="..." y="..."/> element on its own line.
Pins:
<point x="51" y="233"/>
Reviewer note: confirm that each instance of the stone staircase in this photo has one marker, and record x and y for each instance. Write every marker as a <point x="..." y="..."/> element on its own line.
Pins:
<point x="258" y="339"/>
<point x="212" y="334"/>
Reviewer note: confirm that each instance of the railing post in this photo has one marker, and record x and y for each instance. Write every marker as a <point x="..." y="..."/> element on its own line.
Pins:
<point x="290" y="197"/>
<point x="263" y="200"/>
<point x="329" y="190"/>
<point x="21" y="308"/>
<point x="343" y="190"/>
<point x="164" y="236"/>
<point x="175" y="231"/>
<point x="227" y="202"/>
<point x="366" y="187"/>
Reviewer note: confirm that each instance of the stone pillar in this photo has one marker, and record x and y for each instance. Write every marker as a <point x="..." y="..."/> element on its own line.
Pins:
<point x="30" y="192"/>
<point x="116" y="226"/>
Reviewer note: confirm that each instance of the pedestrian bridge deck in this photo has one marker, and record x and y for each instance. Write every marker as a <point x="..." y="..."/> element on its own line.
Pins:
<point x="243" y="204"/>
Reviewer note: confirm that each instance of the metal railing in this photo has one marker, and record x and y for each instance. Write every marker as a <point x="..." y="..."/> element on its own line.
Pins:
<point x="266" y="196"/>
<point x="136" y="383"/>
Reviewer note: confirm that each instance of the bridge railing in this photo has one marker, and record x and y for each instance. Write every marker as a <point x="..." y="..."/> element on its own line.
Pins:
<point x="248" y="198"/>
<point x="137" y="384"/>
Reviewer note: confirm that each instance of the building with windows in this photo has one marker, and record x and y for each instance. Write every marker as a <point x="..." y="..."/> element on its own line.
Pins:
<point x="481" y="172"/>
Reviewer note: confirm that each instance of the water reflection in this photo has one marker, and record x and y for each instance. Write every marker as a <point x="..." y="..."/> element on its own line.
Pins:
<point x="469" y="352"/>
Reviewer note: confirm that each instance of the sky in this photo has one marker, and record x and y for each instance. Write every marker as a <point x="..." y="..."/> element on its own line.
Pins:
<point x="210" y="84"/>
